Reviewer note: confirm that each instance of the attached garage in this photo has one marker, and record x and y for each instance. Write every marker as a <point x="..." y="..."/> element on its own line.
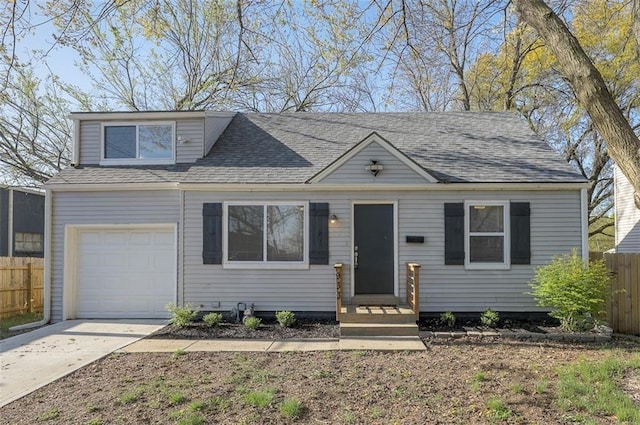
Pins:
<point x="123" y="272"/>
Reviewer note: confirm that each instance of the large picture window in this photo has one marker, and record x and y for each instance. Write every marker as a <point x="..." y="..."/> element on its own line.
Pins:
<point x="485" y="236"/>
<point x="266" y="233"/>
<point x="151" y="143"/>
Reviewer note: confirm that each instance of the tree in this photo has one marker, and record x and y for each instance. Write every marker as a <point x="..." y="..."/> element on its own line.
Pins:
<point x="588" y="86"/>
<point x="35" y="136"/>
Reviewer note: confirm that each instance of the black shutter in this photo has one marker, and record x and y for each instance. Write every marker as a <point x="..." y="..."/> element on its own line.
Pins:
<point x="212" y="233"/>
<point x="318" y="233"/>
<point x="454" y="234"/>
<point x="520" y="233"/>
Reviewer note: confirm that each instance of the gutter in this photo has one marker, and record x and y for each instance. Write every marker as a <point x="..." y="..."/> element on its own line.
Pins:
<point x="46" y="315"/>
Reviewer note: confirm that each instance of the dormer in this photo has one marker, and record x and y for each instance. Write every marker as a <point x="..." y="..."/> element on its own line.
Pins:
<point x="145" y="138"/>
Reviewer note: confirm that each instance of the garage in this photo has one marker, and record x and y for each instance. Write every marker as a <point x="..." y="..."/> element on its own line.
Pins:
<point x="125" y="272"/>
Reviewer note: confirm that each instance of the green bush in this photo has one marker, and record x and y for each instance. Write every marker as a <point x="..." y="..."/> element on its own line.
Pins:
<point x="212" y="319"/>
<point x="489" y="318"/>
<point x="252" y="322"/>
<point x="574" y="290"/>
<point x="181" y="316"/>
<point x="285" y="318"/>
<point x="448" y="318"/>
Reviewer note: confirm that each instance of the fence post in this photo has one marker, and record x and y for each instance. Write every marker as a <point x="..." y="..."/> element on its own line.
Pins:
<point x="30" y="287"/>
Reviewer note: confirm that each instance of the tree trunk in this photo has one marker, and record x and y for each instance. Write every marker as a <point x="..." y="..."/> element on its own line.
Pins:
<point x="589" y="88"/>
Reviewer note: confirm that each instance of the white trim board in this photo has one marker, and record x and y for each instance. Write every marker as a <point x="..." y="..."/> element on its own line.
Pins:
<point x="302" y="187"/>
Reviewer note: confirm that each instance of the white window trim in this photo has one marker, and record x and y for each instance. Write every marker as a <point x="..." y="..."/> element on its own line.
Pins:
<point x="227" y="264"/>
<point x="506" y="264"/>
<point x="137" y="161"/>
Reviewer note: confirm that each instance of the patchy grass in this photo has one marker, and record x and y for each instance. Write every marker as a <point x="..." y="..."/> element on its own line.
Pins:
<point x="579" y="383"/>
<point x="595" y="387"/>
<point x="22" y="319"/>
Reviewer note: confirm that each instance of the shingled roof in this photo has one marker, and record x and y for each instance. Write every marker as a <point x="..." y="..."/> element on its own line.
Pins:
<point x="293" y="147"/>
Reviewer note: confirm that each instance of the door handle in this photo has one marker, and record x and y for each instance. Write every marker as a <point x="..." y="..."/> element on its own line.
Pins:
<point x="355" y="257"/>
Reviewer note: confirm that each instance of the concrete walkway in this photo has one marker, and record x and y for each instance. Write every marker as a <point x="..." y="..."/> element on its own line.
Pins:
<point x="287" y="345"/>
<point x="34" y="359"/>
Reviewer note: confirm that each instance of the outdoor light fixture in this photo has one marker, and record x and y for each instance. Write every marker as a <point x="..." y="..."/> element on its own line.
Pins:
<point x="333" y="219"/>
<point x="374" y="167"/>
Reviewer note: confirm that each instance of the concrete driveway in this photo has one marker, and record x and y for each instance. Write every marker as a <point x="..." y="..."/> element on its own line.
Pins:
<point x="34" y="359"/>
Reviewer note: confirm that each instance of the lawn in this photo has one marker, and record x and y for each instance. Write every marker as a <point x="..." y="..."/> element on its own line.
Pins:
<point x="9" y="322"/>
<point x="471" y="381"/>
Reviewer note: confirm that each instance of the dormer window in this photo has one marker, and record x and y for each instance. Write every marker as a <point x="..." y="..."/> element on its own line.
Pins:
<point x="138" y="143"/>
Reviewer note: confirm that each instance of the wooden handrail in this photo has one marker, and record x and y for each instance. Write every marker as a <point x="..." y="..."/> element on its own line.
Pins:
<point x="413" y="287"/>
<point x="338" y="268"/>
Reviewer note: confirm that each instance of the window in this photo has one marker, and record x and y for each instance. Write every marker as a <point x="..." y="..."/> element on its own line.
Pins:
<point x="486" y="239"/>
<point x="28" y="242"/>
<point x="264" y="234"/>
<point x="151" y="143"/>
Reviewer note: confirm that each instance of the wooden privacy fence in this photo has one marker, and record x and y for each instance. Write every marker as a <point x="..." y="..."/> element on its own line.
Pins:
<point x="21" y="285"/>
<point x="623" y="310"/>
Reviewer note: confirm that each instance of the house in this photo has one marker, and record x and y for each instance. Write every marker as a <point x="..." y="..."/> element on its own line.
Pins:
<point x="627" y="216"/>
<point x="21" y="222"/>
<point x="217" y="208"/>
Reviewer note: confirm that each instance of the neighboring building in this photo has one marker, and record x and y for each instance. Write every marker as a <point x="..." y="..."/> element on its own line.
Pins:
<point x="214" y="208"/>
<point x="627" y="215"/>
<point x="21" y="222"/>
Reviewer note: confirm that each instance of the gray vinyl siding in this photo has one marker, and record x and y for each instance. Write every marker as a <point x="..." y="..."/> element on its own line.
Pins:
<point x="90" y="142"/>
<point x="627" y="215"/>
<point x="102" y="208"/>
<point x="555" y="229"/>
<point x="353" y="171"/>
<point x="213" y="128"/>
<point x="189" y="129"/>
<point x="193" y="132"/>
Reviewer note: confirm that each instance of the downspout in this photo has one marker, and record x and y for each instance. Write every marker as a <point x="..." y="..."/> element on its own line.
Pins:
<point x="584" y="210"/>
<point x="10" y="224"/>
<point x="46" y="315"/>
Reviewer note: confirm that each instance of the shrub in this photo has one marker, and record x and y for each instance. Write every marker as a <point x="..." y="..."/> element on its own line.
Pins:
<point x="448" y="318"/>
<point x="212" y="319"/>
<point x="575" y="291"/>
<point x="252" y="322"/>
<point x="285" y="318"/>
<point x="489" y="318"/>
<point x="181" y="316"/>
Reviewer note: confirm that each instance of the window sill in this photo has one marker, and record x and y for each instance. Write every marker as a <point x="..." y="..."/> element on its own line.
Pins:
<point x="264" y="266"/>
<point x="487" y="266"/>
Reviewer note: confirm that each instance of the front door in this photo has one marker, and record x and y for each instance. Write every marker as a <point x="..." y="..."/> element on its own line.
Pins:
<point x="373" y="256"/>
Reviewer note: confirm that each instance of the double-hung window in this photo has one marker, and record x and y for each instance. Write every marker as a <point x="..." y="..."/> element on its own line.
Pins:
<point x="266" y="234"/>
<point x="487" y="235"/>
<point x="138" y="143"/>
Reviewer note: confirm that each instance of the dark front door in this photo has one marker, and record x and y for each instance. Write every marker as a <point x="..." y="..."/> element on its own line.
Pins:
<point x="373" y="249"/>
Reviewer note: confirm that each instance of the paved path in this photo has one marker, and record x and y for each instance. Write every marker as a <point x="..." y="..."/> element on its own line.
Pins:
<point x="34" y="359"/>
<point x="287" y="345"/>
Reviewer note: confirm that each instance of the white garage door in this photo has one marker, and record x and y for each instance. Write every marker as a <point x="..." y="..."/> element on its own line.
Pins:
<point x="125" y="273"/>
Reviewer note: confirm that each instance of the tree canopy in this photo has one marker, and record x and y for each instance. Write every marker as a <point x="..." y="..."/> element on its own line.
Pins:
<point x="329" y="55"/>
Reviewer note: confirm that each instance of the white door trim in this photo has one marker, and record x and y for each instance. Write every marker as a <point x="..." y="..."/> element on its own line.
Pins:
<point x="395" y="243"/>
<point x="70" y="268"/>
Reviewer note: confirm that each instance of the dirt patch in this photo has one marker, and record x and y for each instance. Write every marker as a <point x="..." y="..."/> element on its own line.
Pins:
<point x="631" y="386"/>
<point x="464" y="382"/>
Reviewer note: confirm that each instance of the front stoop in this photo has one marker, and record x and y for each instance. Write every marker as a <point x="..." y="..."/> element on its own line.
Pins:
<point x="377" y="320"/>
<point x="378" y="329"/>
